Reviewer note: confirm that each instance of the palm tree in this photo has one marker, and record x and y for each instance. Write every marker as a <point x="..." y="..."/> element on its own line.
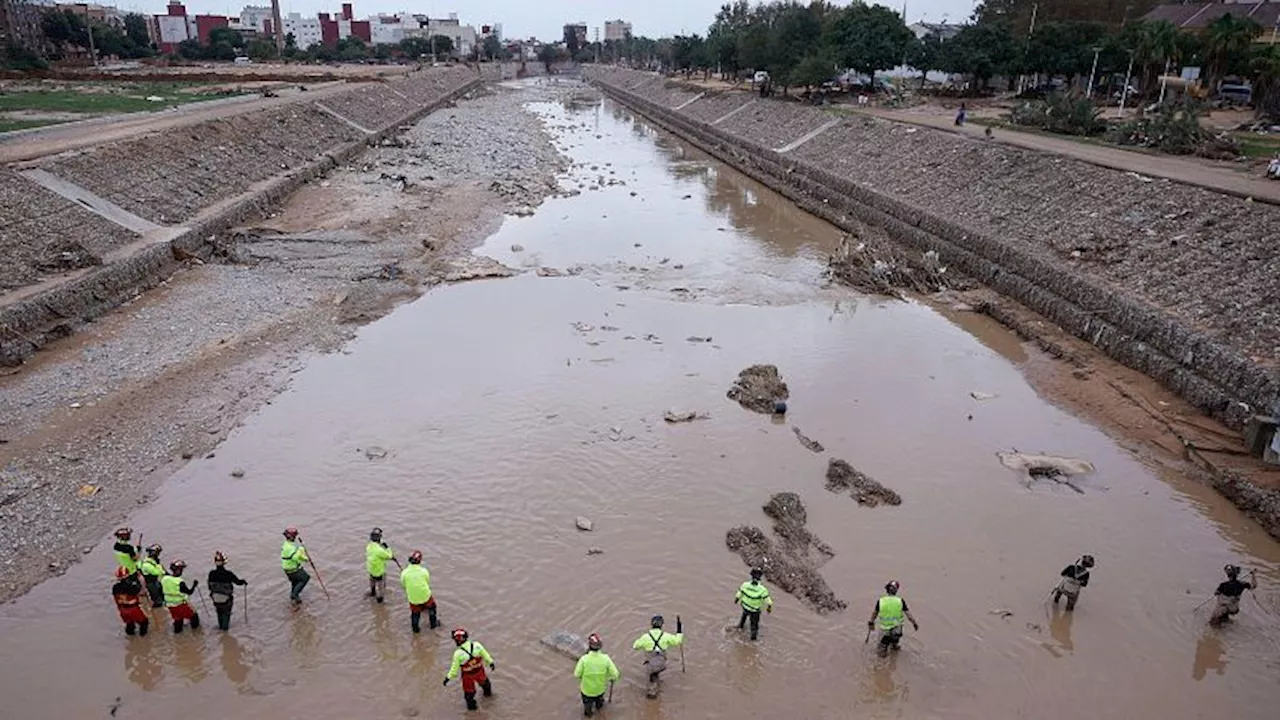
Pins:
<point x="1265" y="65"/>
<point x="1157" y="44"/>
<point x="1226" y="44"/>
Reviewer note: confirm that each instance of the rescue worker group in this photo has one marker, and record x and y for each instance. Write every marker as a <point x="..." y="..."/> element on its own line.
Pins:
<point x="138" y="576"/>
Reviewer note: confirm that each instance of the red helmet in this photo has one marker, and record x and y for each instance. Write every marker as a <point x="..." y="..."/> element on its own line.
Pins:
<point x="219" y="558"/>
<point x="291" y="532"/>
<point x="460" y="635"/>
<point x="176" y="567"/>
<point x="594" y="642"/>
<point x="415" y="557"/>
<point x="121" y="572"/>
<point x="124" y="533"/>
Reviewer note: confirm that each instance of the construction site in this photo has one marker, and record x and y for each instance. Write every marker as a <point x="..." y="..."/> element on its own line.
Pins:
<point x="597" y="343"/>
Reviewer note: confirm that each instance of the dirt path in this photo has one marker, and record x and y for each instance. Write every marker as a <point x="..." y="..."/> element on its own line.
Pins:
<point x="1182" y="170"/>
<point x="52" y="140"/>
<point x="91" y="426"/>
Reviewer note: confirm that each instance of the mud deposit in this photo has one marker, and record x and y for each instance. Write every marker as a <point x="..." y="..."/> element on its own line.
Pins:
<point x="759" y="388"/>
<point x="792" y="560"/>
<point x="843" y="477"/>
<point x="509" y="407"/>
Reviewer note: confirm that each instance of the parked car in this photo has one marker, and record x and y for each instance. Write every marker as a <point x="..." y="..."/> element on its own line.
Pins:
<point x="1235" y="93"/>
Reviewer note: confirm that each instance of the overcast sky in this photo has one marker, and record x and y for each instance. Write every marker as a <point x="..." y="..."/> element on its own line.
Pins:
<point x="543" y="18"/>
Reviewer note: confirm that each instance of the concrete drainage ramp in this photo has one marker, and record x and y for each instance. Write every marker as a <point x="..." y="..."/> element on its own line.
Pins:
<point x="1175" y="281"/>
<point x="44" y="236"/>
<point x="172" y="176"/>
<point x="81" y="233"/>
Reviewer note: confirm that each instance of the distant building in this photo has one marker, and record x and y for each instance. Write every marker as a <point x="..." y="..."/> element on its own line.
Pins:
<point x="942" y="31"/>
<point x="174" y="27"/>
<point x="20" y="26"/>
<point x="305" y="30"/>
<point x="1198" y="16"/>
<point x="92" y="12"/>
<point x="577" y="30"/>
<point x="616" y="30"/>
<point x="254" y="17"/>
<point x="463" y="36"/>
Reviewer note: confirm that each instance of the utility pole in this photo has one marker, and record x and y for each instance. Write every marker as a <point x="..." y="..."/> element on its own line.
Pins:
<point x="93" y="52"/>
<point x="277" y="26"/>
<point x="1035" y="9"/>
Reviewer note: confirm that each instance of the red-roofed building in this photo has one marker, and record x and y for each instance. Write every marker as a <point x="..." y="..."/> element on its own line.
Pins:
<point x="206" y="24"/>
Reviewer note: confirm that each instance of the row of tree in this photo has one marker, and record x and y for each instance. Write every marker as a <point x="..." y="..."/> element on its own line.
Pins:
<point x="68" y="32"/>
<point x="808" y="44"/>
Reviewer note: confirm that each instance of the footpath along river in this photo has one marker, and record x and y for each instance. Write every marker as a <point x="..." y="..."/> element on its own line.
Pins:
<point x="507" y="407"/>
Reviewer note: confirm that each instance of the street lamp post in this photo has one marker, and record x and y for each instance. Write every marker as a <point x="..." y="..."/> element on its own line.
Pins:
<point x="1093" y="72"/>
<point x="1124" y="92"/>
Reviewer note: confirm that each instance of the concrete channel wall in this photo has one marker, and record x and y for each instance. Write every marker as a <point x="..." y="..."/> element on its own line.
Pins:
<point x="81" y="233"/>
<point x="774" y="143"/>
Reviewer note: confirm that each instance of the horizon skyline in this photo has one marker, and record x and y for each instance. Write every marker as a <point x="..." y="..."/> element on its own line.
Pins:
<point x="520" y="20"/>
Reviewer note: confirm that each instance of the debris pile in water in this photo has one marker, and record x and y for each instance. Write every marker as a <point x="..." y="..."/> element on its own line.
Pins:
<point x="759" y="388"/>
<point x="842" y="476"/>
<point x="791" y="562"/>
<point x="881" y="268"/>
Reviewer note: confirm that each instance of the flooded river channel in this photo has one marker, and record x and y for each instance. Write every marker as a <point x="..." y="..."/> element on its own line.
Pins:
<point x="508" y="407"/>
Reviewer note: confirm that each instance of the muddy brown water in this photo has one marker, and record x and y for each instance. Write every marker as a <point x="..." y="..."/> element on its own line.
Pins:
<point x="503" y="421"/>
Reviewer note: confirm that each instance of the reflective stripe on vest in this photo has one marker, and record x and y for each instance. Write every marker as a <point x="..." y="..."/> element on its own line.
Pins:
<point x="172" y="586"/>
<point x="657" y="642"/>
<point x="753" y="595"/>
<point x="890" y="612"/>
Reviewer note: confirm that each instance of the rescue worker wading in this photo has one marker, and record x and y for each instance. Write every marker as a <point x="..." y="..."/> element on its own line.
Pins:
<point x="176" y="596"/>
<point x="127" y="592"/>
<point x="596" y="672"/>
<point x="655" y="644"/>
<point x="1228" y="594"/>
<point x="1074" y="577"/>
<point x="888" y="614"/>
<point x="292" y="557"/>
<point x="469" y="660"/>
<point x="753" y="596"/>
<point x="152" y="572"/>
<point x="222" y="591"/>
<point x="127" y="554"/>
<point x="376" y="555"/>
<point x="416" y="580"/>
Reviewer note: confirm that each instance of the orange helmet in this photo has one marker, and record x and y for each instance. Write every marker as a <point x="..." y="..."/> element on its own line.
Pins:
<point x="291" y="532"/>
<point x="460" y="635"/>
<point x="415" y="557"/>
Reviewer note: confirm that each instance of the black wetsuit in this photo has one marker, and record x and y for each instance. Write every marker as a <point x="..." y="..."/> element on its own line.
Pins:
<point x="222" y="584"/>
